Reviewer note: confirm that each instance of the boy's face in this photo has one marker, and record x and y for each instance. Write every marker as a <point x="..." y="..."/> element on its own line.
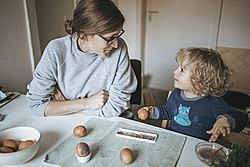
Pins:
<point x="182" y="77"/>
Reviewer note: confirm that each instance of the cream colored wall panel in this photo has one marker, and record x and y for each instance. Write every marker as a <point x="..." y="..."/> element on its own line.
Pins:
<point x="239" y="61"/>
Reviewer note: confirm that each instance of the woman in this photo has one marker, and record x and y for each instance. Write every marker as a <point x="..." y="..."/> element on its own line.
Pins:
<point x="90" y="69"/>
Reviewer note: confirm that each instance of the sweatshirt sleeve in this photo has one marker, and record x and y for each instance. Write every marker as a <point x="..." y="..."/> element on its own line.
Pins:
<point x="238" y="117"/>
<point x="239" y="120"/>
<point x="165" y="112"/>
<point x="42" y="85"/>
<point x="124" y="83"/>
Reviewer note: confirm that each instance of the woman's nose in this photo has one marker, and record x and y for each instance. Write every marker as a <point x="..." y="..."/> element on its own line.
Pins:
<point x="115" y="44"/>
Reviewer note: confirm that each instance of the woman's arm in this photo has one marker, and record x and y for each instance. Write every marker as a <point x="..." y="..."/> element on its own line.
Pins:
<point x="61" y="106"/>
<point x="44" y="95"/>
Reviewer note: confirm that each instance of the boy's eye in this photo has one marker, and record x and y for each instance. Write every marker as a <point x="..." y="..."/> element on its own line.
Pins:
<point x="181" y="69"/>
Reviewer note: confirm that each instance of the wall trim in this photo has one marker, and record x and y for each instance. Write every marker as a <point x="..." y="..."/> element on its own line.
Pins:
<point x="31" y="50"/>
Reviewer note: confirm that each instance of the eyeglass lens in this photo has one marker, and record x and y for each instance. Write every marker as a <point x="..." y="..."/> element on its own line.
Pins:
<point x="115" y="38"/>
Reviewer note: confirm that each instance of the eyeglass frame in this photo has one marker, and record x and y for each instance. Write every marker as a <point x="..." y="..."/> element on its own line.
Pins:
<point x="113" y="39"/>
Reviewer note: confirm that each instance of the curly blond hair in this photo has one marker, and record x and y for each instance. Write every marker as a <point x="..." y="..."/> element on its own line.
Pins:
<point x="210" y="75"/>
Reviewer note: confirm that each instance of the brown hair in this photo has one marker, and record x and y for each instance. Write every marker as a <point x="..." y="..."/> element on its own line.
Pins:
<point x="210" y="75"/>
<point x="95" y="17"/>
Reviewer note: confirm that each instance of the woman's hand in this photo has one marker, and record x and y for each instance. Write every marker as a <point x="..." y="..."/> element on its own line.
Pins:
<point x="221" y="126"/>
<point x="97" y="101"/>
<point x="59" y="105"/>
<point x="58" y="95"/>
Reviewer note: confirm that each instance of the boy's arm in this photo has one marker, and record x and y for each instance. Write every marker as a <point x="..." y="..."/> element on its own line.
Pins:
<point x="238" y="118"/>
<point x="232" y="120"/>
<point x="154" y="113"/>
<point x="221" y="126"/>
<point x="162" y="112"/>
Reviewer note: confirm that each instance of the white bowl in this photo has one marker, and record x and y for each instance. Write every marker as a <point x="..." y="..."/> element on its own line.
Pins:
<point x="19" y="134"/>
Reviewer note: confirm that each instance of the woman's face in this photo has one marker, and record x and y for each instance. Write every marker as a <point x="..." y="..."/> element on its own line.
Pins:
<point x="96" y="44"/>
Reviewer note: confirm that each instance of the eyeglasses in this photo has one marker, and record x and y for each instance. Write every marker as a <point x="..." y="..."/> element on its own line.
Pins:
<point x="112" y="39"/>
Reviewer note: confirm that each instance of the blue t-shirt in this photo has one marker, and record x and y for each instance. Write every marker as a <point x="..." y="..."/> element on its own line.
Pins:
<point x="194" y="116"/>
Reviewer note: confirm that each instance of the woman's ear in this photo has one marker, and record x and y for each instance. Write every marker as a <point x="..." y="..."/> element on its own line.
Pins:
<point x="82" y="34"/>
<point x="83" y="37"/>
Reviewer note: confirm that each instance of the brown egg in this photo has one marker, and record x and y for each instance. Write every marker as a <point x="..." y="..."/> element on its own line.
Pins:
<point x="80" y="131"/>
<point x="126" y="156"/>
<point x="82" y="149"/>
<point x="143" y="114"/>
<point x="5" y="150"/>
<point x="25" y="144"/>
<point x="10" y="143"/>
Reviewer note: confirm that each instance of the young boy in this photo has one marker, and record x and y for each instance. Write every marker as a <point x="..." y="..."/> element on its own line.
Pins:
<point x="195" y="106"/>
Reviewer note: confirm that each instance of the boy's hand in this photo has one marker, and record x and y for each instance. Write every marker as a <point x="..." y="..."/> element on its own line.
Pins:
<point x="221" y="126"/>
<point x="148" y="109"/>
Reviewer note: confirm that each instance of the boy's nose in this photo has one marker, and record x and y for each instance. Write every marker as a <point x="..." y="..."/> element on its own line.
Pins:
<point x="175" y="71"/>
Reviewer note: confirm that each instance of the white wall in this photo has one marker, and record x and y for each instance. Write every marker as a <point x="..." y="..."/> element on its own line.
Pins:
<point x="15" y="63"/>
<point x="234" y="42"/>
<point x="15" y="41"/>
<point x="132" y="11"/>
<point x="32" y="23"/>
<point x="51" y="16"/>
<point x="172" y="25"/>
<point x="234" y="29"/>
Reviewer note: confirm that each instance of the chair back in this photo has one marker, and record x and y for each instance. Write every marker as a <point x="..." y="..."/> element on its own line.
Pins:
<point x="136" y="96"/>
<point x="166" y="123"/>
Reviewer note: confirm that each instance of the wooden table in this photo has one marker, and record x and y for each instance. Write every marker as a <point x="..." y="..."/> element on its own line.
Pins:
<point x="56" y="129"/>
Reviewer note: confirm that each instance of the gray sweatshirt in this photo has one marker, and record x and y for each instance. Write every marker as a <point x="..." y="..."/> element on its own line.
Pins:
<point x="81" y="75"/>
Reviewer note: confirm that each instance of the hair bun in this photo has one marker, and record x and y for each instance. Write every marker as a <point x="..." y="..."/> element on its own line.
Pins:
<point x="69" y="28"/>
